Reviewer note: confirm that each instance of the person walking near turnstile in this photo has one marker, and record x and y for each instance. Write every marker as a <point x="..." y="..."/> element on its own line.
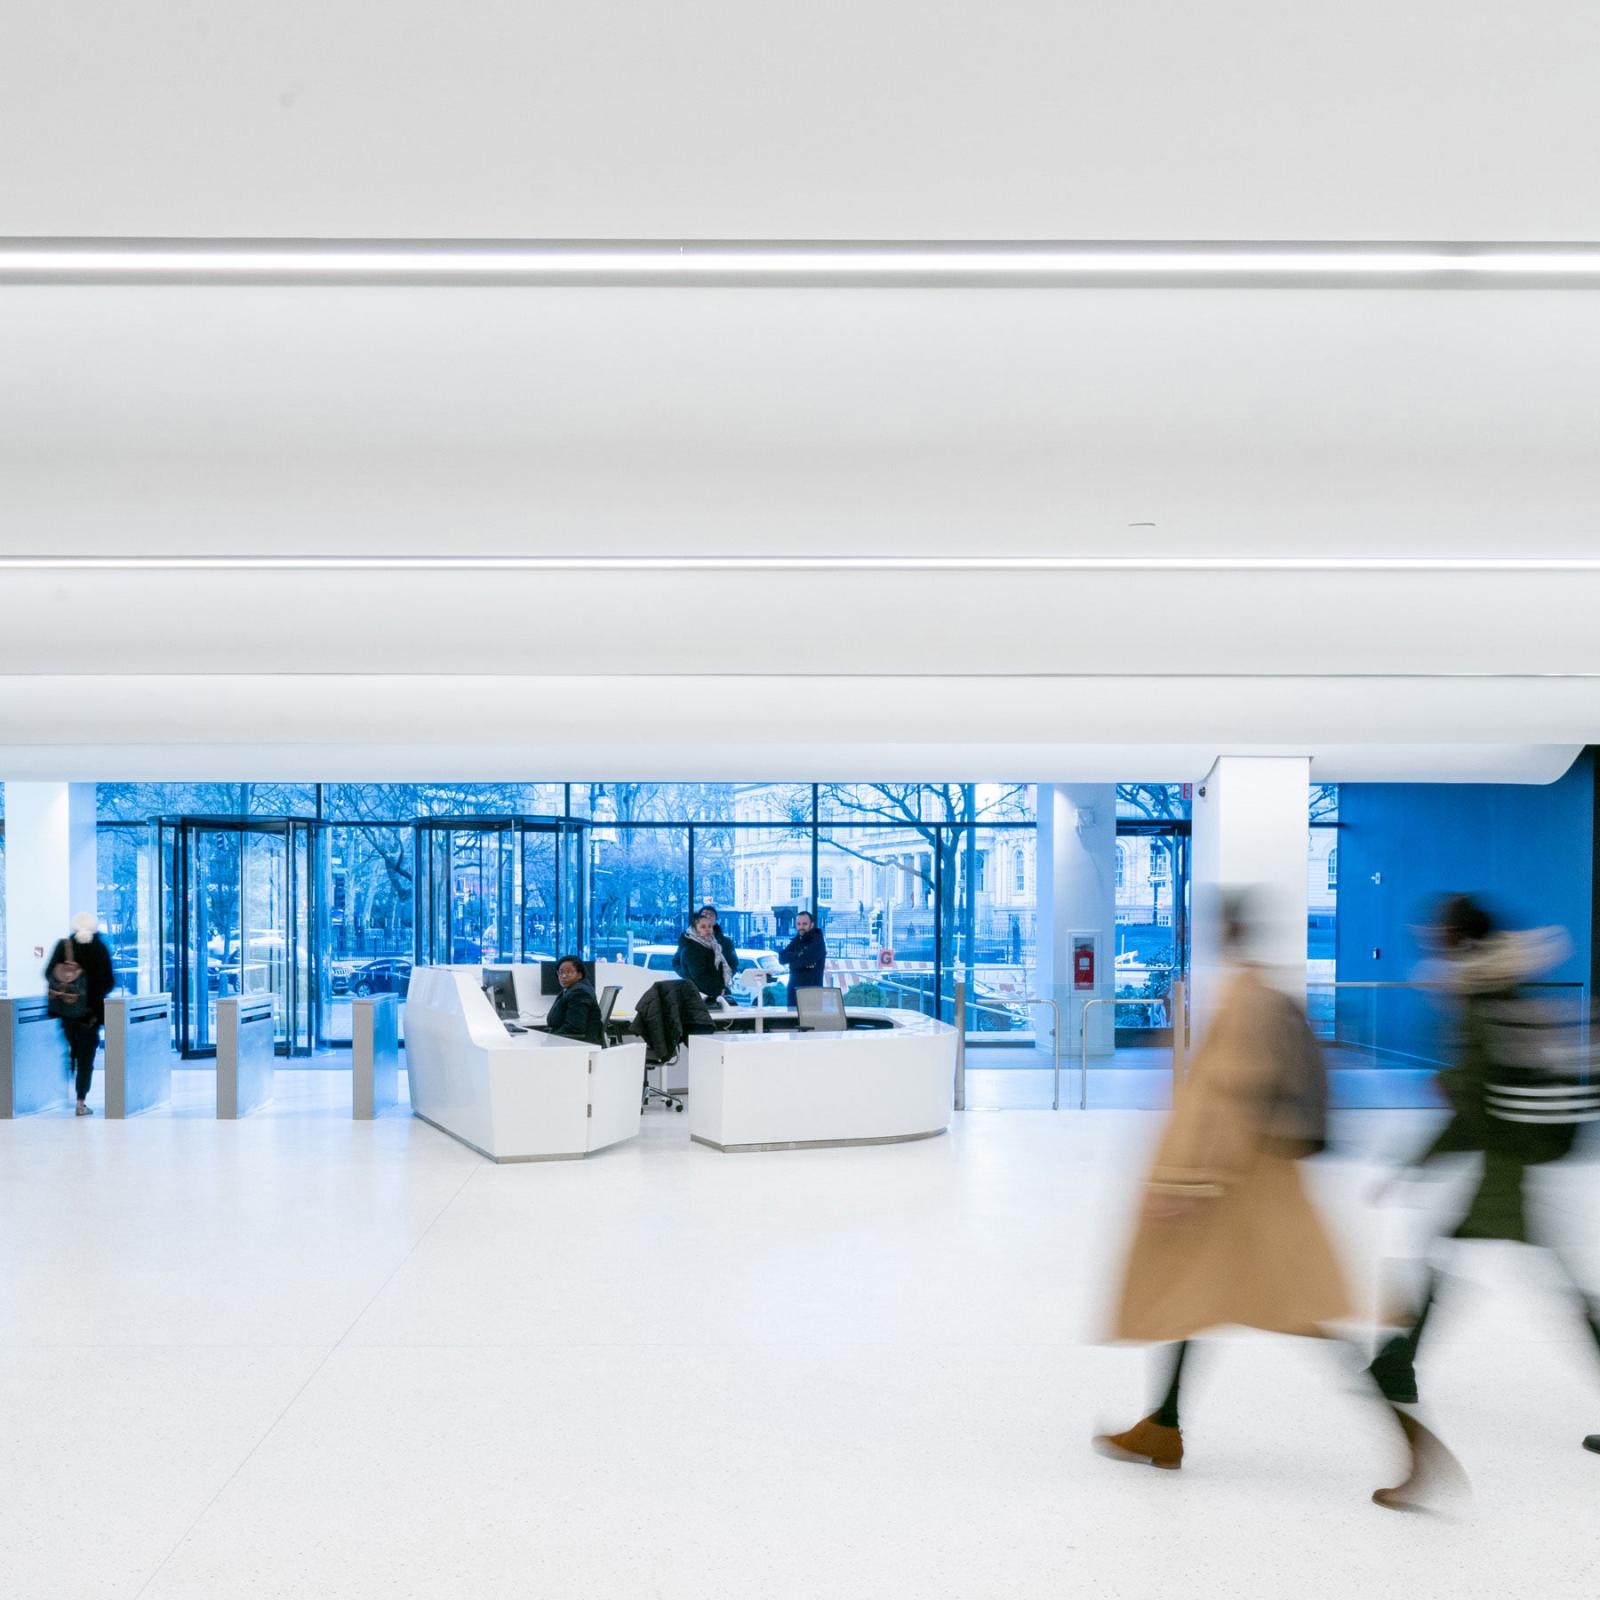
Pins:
<point x="80" y="976"/>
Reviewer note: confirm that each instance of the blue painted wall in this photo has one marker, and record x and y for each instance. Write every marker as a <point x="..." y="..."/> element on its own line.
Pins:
<point x="1529" y="850"/>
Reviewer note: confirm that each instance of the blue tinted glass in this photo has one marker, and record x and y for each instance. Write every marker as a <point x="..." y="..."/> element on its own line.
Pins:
<point x="1155" y="802"/>
<point x="138" y="802"/>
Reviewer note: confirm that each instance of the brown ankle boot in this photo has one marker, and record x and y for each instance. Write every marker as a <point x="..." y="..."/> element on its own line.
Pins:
<point x="1144" y="1441"/>
<point x="1433" y="1469"/>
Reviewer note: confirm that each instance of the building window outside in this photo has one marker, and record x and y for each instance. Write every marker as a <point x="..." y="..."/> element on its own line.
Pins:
<point x="1333" y="868"/>
<point x="825" y="888"/>
<point x="1019" y="872"/>
<point x="796" y="888"/>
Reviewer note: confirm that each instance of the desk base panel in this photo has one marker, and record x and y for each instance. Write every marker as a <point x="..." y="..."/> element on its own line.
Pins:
<point x="500" y="1161"/>
<point x="817" y="1144"/>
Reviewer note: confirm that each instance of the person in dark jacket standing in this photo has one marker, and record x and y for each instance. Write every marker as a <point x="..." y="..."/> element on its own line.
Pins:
<point x="78" y="977"/>
<point x="805" y="955"/>
<point x="575" y="1012"/>
<point x="704" y="959"/>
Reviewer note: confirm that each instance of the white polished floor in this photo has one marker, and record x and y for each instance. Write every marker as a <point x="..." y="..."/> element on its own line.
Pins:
<point x="296" y="1356"/>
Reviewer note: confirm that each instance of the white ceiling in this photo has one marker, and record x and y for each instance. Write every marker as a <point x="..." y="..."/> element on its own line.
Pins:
<point x="775" y="422"/>
<point x="446" y="421"/>
<point x="838" y="119"/>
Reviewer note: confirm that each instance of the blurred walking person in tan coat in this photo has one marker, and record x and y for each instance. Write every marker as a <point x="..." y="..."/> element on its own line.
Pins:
<point x="1227" y="1234"/>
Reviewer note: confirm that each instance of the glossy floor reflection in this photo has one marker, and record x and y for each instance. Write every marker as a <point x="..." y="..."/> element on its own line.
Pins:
<point x="297" y="1356"/>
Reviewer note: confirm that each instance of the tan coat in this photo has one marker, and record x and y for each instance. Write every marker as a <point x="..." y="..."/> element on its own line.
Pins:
<point x="1251" y="1250"/>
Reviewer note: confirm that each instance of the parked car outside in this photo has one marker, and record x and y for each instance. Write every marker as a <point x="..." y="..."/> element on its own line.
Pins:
<point x="757" y="970"/>
<point x="385" y="975"/>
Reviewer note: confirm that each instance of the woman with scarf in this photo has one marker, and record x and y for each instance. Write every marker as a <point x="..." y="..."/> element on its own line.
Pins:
<point x="701" y="959"/>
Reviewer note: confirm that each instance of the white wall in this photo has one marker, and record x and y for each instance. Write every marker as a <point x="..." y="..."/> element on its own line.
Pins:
<point x="50" y="873"/>
<point x="843" y="118"/>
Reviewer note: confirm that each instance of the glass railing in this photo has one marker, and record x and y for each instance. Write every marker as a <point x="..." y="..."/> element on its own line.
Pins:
<point x="1408" y="1030"/>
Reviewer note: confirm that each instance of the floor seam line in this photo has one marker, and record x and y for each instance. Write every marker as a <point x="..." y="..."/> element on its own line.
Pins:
<point x="310" y="1377"/>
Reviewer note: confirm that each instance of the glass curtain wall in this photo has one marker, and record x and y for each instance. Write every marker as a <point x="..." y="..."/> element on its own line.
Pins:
<point x="1152" y="900"/>
<point x="1322" y="908"/>
<point x="914" y="885"/>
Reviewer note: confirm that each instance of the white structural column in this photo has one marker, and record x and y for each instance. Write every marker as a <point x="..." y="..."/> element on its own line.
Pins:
<point x="50" y="873"/>
<point x="1077" y="875"/>
<point x="1250" y="832"/>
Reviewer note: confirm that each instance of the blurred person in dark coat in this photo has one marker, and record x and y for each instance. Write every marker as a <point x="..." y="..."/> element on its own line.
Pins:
<point x="1483" y="971"/>
<point x="78" y="977"/>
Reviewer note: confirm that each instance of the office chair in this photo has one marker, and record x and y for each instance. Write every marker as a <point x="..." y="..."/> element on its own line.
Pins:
<point x="820" y="1011"/>
<point x="649" y="1092"/>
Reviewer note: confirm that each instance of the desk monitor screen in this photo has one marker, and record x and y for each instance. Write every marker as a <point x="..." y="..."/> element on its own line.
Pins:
<point x="501" y="987"/>
<point x="550" y="984"/>
<point x="820" y="1009"/>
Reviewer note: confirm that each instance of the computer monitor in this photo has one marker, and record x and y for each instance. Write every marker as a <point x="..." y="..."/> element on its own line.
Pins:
<point x="820" y="1010"/>
<point x="500" y="985"/>
<point x="550" y="984"/>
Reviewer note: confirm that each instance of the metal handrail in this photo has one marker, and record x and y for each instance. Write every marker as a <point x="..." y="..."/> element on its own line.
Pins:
<point x="1083" y="1054"/>
<point x="1055" y="1038"/>
<point x="1352" y="983"/>
<point x="960" y="1012"/>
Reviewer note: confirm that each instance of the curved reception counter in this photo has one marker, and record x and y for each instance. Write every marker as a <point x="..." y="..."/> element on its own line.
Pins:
<point x="887" y="1079"/>
<point x="512" y="1096"/>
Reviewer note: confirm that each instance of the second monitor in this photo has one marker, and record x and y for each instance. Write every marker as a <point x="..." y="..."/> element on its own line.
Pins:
<point x="499" y="984"/>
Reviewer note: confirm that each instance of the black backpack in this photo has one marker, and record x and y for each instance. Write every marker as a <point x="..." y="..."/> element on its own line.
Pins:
<point x="68" y="995"/>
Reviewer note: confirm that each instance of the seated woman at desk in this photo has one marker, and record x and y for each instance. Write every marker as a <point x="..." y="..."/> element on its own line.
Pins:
<point x="701" y="960"/>
<point x="575" y="1012"/>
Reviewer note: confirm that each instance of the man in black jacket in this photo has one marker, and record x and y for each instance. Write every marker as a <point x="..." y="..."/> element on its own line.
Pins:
<point x="805" y="955"/>
<point x="575" y="1012"/>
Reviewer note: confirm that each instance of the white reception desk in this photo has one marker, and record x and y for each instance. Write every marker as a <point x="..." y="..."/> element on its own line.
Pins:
<point x="513" y="1097"/>
<point x="785" y="1090"/>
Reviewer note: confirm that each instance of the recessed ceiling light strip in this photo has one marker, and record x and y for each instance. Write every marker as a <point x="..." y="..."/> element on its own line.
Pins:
<point x="744" y="264"/>
<point x="1509" y="565"/>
